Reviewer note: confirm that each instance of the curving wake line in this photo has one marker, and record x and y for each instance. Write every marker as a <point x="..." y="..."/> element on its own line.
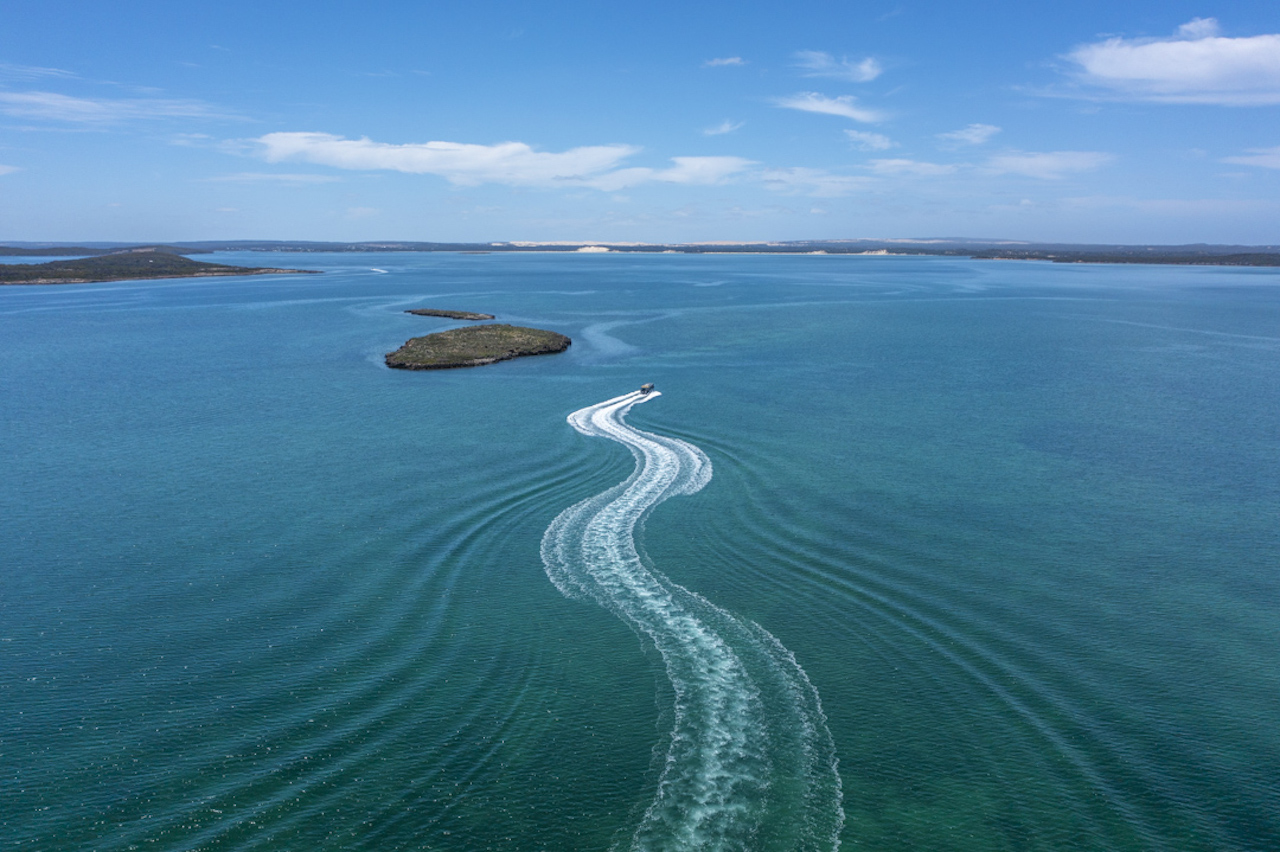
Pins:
<point x="750" y="763"/>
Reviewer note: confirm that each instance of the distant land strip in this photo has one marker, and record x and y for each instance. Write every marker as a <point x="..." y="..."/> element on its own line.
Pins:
<point x="461" y="315"/>
<point x="92" y="251"/>
<point x="1197" y="254"/>
<point x="128" y="265"/>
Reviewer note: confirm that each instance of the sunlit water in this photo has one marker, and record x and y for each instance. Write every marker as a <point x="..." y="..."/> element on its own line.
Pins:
<point x="990" y="559"/>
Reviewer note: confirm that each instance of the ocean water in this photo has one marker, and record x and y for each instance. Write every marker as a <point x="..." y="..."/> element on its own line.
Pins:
<point x="910" y="553"/>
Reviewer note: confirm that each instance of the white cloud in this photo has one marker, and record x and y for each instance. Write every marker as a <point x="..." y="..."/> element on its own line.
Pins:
<point x="842" y="106"/>
<point x="723" y="61"/>
<point x="1197" y="65"/>
<point x="273" y="177"/>
<point x="510" y="163"/>
<point x="819" y="64"/>
<point x="869" y="141"/>
<point x="1200" y="28"/>
<point x="687" y="170"/>
<point x="725" y="126"/>
<point x="974" y="134"/>
<point x="58" y="107"/>
<point x="513" y="163"/>
<point x="361" y="212"/>
<point x="1047" y="165"/>
<point x="813" y="182"/>
<point x="703" y="170"/>
<point x="1268" y="158"/>
<point x="914" y="168"/>
<point x="7" y="170"/>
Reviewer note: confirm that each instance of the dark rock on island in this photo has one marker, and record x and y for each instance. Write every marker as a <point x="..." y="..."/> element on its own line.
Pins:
<point x="474" y="345"/>
<point x="462" y="315"/>
<point x="128" y="265"/>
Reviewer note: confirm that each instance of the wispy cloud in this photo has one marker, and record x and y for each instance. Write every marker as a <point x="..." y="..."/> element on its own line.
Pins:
<point x="272" y="177"/>
<point x="1047" y="165"/>
<point x="1267" y="158"/>
<point x="974" y="134"/>
<point x="912" y="168"/>
<point x="509" y="163"/>
<point x="9" y="71"/>
<point x="513" y="163"/>
<point x="1044" y="165"/>
<point x="52" y="106"/>
<point x="193" y="140"/>
<point x="703" y="171"/>
<point x="813" y="182"/>
<point x="844" y="106"/>
<point x="1197" y="65"/>
<point x="819" y="64"/>
<point x="722" y="128"/>
<point x="724" y="61"/>
<point x="1177" y="207"/>
<point x="8" y="170"/>
<point x="869" y="141"/>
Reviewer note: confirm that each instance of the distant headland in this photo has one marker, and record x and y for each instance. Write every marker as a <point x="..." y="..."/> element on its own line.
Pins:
<point x="131" y="264"/>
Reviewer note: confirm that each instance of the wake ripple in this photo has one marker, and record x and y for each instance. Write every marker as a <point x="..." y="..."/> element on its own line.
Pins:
<point x="750" y="763"/>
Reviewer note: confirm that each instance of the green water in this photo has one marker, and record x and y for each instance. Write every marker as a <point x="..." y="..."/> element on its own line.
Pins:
<point x="1018" y="523"/>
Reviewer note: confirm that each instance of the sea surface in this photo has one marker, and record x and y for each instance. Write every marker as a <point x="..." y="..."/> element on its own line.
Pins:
<point x="908" y="554"/>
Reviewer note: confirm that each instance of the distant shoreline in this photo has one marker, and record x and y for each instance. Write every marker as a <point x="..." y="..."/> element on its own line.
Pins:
<point x="139" y="264"/>
<point x="247" y="271"/>
<point x="1179" y="255"/>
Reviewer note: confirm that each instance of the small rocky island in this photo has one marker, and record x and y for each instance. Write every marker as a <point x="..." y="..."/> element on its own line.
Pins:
<point x="127" y="265"/>
<point x="474" y="345"/>
<point x="462" y="315"/>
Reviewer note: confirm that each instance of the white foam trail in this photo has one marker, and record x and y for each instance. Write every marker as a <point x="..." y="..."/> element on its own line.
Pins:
<point x="750" y="763"/>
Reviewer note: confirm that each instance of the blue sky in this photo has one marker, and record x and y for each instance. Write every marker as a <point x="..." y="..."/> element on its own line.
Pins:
<point x="1082" y="122"/>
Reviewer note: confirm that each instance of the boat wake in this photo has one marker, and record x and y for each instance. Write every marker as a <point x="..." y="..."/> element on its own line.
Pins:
<point x="749" y="762"/>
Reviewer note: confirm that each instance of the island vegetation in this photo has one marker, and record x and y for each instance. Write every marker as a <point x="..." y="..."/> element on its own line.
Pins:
<point x="129" y="265"/>
<point x="474" y="345"/>
<point x="459" y="315"/>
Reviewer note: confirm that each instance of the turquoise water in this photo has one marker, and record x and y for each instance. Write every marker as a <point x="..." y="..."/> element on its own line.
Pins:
<point x="1011" y="531"/>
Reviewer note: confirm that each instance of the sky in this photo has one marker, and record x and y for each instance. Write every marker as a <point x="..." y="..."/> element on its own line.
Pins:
<point x="1137" y="122"/>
